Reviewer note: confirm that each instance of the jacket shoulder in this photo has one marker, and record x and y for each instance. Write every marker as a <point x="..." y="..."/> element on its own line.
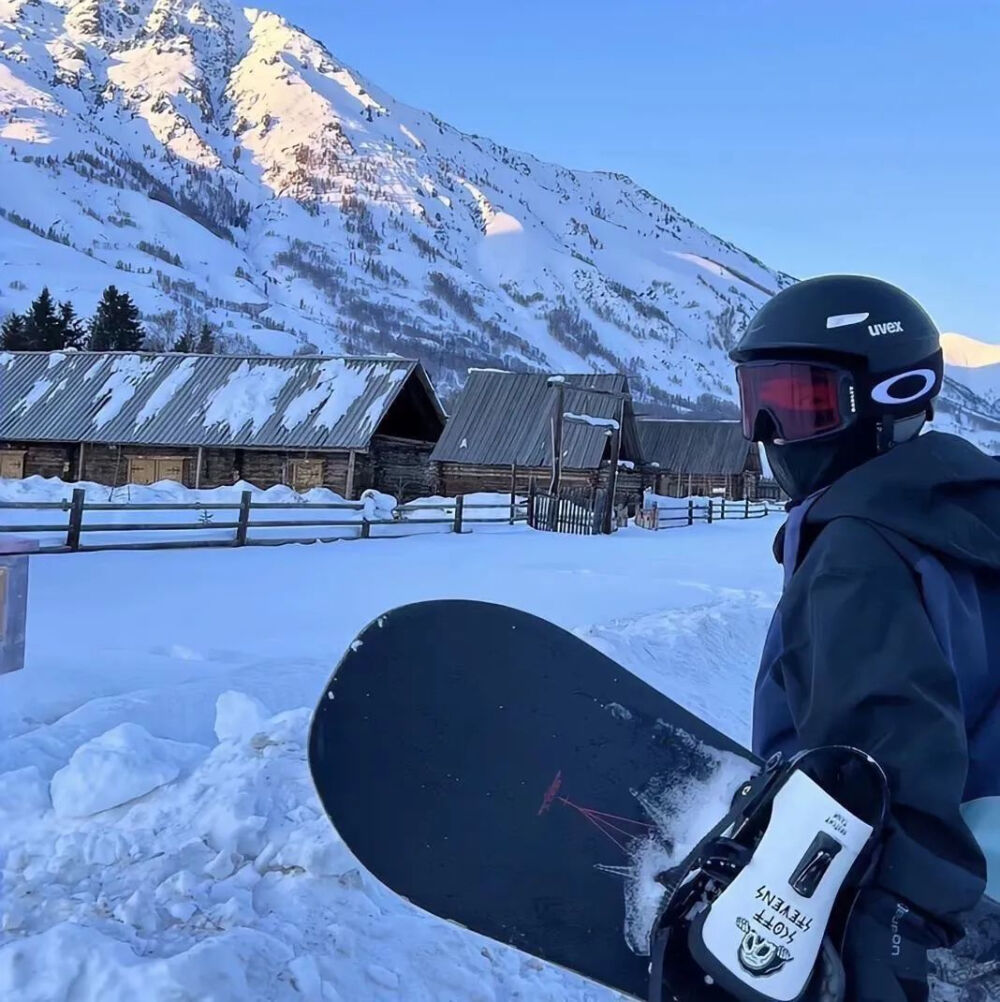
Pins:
<point x="852" y="546"/>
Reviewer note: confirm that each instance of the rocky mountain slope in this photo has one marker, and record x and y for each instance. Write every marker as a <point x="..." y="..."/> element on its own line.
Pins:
<point x="218" y="163"/>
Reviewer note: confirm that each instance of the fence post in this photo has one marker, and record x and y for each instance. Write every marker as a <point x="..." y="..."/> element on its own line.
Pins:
<point x="459" y="505"/>
<point x="747" y="515"/>
<point x="246" y="499"/>
<point x="366" y="528"/>
<point x="656" y="517"/>
<point x="723" y="508"/>
<point x="75" y="518"/>
<point x="532" y="491"/>
<point x="513" y="491"/>
<point x="710" y="509"/>
<point x="690" y="511"/>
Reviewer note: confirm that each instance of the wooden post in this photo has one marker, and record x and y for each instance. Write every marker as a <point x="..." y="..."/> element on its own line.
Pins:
<point x="747" y="515"/>
<point x="513" y="491"/>
<point x="709" y="509"/>
<point x="557" y="439"/>
<point x="616" y="452"/>
<point x="459" y="505"/>
<point x="349" y="489"/>
<point x="532" y="495"/>
<point x="246" y="499"/>
<point x="76" y="519"/>
<point x="366" y="529"/>
<point x="79" y="463"/>
<point x="690" y="511"/>
<point x="723" y="507"/>
<point x="656" y="517"/>
<point x="197" y="469"/>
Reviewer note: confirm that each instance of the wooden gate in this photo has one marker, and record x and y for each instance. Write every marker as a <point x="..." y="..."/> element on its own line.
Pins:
<point x="577" y="510"/>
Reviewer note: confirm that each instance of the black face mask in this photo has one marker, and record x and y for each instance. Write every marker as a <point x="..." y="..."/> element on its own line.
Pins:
<point x="802" y="468"/>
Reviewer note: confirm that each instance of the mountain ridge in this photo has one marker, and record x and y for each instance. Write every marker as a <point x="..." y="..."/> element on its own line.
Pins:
<point x="219" y="164"/>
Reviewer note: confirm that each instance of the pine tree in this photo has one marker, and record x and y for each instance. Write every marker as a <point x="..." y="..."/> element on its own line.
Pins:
<point x="12" y="333"/>
<point x="74" y="334"/>
<point x="43" y="327"/>
<point x="206" y="340"/>
<point x="115" y="325"/>
<point x="185" y="343"/>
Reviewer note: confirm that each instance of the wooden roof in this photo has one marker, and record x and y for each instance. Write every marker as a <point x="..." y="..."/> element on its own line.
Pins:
<point x="695" y="447"/>
<point x="505" y="418"/>
<point x="301" y="402"/>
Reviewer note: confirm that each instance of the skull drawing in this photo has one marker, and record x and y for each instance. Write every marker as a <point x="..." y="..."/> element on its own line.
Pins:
<point x="759" y="956"/>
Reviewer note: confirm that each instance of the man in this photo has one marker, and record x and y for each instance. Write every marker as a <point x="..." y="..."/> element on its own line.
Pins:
<point x="887" y="635"/>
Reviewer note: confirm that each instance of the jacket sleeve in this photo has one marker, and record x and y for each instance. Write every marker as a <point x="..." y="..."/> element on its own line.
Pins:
<point x="861" y="666"/>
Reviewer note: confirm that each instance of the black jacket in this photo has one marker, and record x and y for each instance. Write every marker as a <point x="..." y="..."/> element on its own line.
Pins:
<point x="887" y="637"/>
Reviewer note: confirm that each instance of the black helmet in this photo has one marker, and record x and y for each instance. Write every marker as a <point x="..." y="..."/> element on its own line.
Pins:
<point x="864" y="324"/>
<point x="840" y="363"/>
<point x="846" y="315"/>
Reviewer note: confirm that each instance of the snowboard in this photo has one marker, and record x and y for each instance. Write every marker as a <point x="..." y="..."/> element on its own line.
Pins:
<point x="503" y="774"/>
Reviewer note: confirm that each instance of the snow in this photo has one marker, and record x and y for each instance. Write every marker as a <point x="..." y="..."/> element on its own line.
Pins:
<point x="139" y="84"/>
<point x="412" y="138"/>
<point x="420" y="516"/>
<point x="968" y="353"/>
<point x="163" y="393"/>
<point x="38" y="390"/>
<point x="119" y="85"/>
<point x="596" y="422"/>
<point x="682" y="815"/>
<point x="118" y="766"/>
<point x="184" y="695"/>
<point x="247" y="397"/>
<point x="338" y="386"/>
<point x="120" y="385"/>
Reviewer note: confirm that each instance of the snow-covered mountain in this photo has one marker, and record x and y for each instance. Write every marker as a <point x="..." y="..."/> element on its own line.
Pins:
<point x="970" y="401"/>
<point x="218" y="163"/>
<point x="214" y="160"/>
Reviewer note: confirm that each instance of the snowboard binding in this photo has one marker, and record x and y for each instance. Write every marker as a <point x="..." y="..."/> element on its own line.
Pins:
<point x="757" y="910"/>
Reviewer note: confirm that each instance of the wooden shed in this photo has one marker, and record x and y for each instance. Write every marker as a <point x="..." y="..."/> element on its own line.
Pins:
<point x="700" y="458"/>
<point x="212" y="420"/>
<point x="500" y="432"/>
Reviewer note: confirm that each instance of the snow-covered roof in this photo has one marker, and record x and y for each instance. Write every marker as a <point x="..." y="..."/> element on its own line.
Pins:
<point x="212" y="400"/>
<point x="501" y="418"/>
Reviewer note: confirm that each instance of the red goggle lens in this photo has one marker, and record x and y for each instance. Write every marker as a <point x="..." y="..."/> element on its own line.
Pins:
<point x="802" y="400"/>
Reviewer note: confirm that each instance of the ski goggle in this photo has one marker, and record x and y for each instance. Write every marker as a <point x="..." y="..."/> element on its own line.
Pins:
<point x="802" y="399"/>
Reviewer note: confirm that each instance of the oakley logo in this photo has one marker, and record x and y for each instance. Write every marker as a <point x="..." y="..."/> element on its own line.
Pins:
<point x="877" y="330"/>
<point x="905" y="388"/>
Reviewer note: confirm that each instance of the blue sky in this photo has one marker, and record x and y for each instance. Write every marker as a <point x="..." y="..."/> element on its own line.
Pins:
<point x="819" y="135"/>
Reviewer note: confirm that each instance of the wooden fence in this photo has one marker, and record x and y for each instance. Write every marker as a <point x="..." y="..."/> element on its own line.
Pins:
<point x="670" y="516"/>
<point x="578" y="510"/>
<point x="238" y="525"/>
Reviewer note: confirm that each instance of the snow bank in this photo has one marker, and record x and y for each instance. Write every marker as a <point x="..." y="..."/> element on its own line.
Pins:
<point x="119" y="766"/>
<point x="229" y="884"/>
<point x="374" y="506"/>
<point x="52" y="489"/>
<point x="480" y="507"/>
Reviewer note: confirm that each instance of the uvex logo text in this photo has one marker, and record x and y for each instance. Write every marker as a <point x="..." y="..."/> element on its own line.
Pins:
<point x="876" y="330"/>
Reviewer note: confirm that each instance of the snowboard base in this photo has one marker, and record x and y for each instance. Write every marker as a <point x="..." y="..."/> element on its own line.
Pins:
<point x="504" y="775"/>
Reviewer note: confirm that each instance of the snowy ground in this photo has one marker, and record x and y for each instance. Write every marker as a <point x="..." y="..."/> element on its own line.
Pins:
<point x="184" y="680"/>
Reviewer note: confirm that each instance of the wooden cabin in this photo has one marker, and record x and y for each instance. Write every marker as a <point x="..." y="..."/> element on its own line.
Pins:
<point x="700" y="458"/>
<point x="212" y="420"/>
<point x="500" y="432"/>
